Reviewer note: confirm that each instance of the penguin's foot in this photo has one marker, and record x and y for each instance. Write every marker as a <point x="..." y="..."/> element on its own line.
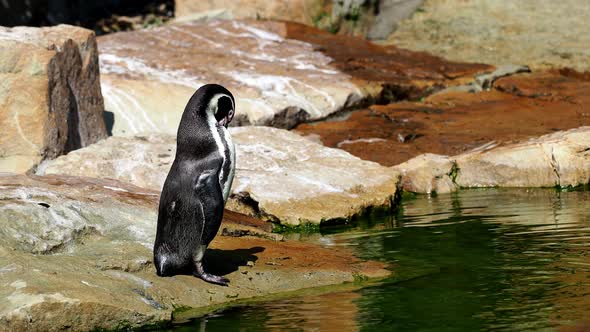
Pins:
<point x="211" y="278"/>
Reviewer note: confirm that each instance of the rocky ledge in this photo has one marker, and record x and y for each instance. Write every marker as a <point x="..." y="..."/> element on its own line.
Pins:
<point x="514" y="108"/>
<point x="280" y="176"/>
<point x="558" y="160"/>
<point x="281" y="73"/>
<point x="61" y="264"/>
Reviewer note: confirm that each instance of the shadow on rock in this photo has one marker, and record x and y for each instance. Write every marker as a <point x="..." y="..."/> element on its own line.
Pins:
<point x="223" y="262"/>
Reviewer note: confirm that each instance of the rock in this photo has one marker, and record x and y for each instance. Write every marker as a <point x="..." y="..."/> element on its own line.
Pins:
<point x="61" y="265"/>
<point x="387" y="73"/>
<point x="276" y="81"/>
<point x="428" y="173"/>
<point x="372" y="19"/>
<point x="50" y="99"/>
<point x="517" y="108"/>
<point x="280" y="176"/>
<point x="301" y="11"/>
<point x="491" y="31"/>
<point x="283" y="177"/>
<point x="559" y="159"/>
<point x="281" y="73"/>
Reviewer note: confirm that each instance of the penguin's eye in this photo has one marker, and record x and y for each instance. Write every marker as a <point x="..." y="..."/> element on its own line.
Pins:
<point x="224" y="109"/>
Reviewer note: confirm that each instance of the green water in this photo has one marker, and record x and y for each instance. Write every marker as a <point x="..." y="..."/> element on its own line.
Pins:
<point x="493" y="260"/>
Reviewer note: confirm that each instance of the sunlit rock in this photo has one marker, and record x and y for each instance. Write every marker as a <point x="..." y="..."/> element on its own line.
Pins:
<point x="560" y="159"/>
<point x="281" y="74"/>
<point x="76" y="253"/>
<point x="50" y="98"/>
<point x="280" y="176"/>
<point x="491" y="31"/>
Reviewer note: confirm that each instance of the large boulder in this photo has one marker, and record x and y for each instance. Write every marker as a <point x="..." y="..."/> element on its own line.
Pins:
<point x="281" y="73"/>
<point x="538" y="33"/>
<point x="280" y="176"/>
<point x="561" y="159"/>
<point x="50" y="98"/>
<point x="62" y="267"/>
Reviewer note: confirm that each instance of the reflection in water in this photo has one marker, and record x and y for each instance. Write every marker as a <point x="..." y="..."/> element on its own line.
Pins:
<point x="501" y="260"/>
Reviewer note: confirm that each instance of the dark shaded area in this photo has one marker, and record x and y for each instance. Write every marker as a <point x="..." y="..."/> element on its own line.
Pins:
<point x="109" y="121"/>
<point x="223" y="262"/>
<point x="73" y="141"/>
<point x="102" y="15"/>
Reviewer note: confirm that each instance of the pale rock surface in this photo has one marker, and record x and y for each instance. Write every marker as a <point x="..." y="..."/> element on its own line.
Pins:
<point x="280" y="176"/>
<point x="560" y="159"/>
<point x="375" y="20"/>
<point x="538" y="33"/>
<point x="50" y="98"/>
<point x="148" y="76"/>
<point x="427" y="173"/>
<point x="301" y="11"/>
<point x="62" y="268"/>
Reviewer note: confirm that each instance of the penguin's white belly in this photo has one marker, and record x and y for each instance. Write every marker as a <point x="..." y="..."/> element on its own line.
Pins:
<point x="230" y="158"/>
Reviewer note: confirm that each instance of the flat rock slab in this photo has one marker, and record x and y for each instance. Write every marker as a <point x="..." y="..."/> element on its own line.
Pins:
<point x="50" y="99"/>
<point x="280" y="176"/>
<point x="538" y="33"/>
<point x="61" y="265"/>
<point x="517" y="107"/>
<point x="281" y="73"/>
<point x="560" y="159"/>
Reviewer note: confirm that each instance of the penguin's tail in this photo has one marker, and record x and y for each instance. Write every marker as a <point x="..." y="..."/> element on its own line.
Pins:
<point x="167" y="264"/>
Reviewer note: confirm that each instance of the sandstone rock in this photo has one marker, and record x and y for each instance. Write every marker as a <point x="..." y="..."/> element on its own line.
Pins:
<point x="61" y="265"/>
<point x="50" y="99"/>
<point x="493" y="31"/>
<point x="428" y="173"/>
<point x="280" y="176"/>
<point x="560" y="159"/>
<point x="516" y="108"/>
<point x="278" y="80"/>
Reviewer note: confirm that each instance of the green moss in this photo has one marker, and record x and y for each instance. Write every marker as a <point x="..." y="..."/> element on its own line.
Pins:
<point x="454" y="172"/>
<point x="359" y="278"/>
<point x="305" y="228"/>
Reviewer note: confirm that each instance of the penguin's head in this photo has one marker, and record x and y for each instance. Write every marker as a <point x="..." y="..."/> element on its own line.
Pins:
<point x="216" y="103"/>
<point x="212" y="103"/>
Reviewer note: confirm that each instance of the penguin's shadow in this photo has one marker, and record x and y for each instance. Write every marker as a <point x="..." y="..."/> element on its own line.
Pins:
<point x="222" y="262"/>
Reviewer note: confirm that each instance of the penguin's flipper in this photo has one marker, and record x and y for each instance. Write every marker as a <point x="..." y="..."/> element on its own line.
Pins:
<point x="210" y="196"/>
<point x="209" y="193"/>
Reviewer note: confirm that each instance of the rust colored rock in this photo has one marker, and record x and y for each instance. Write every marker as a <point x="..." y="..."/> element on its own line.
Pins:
<point x="395" y="73"/>
<point x="519" y="107"/>
<point x="50" y="98"/>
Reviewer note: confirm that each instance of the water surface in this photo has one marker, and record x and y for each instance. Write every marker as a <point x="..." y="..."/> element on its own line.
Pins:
<point x="494" y="260"/>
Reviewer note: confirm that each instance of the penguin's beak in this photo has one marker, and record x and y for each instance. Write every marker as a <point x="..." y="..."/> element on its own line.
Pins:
<point x="224" y="121"/>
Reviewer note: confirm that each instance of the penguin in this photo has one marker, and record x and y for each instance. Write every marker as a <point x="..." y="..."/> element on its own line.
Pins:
<point x="197" y="186"/>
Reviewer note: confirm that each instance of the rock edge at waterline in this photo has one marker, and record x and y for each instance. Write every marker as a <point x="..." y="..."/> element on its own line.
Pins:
<point x="61" y="265"/>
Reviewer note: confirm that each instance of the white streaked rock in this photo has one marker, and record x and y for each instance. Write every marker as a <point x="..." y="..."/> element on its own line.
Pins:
<point x="148" y="76"/>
